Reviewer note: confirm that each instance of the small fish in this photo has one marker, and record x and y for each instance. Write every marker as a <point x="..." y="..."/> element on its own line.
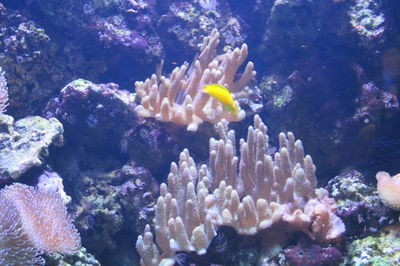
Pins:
<point x="223" y="95"/>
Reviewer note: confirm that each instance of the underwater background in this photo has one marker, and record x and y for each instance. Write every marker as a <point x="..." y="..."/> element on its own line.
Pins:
<point x="148" y="132"/>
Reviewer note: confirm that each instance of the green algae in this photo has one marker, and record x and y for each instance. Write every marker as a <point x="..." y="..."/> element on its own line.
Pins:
<point x="380" y="250"/>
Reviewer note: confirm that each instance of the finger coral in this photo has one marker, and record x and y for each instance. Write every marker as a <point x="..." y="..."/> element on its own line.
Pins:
<point x="179" y="99"/>
<point x="249" y="193"/>
<point x="33" y="221"/>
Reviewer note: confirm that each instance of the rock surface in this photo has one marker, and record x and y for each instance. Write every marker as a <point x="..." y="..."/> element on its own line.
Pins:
<point x="26" y="144"/>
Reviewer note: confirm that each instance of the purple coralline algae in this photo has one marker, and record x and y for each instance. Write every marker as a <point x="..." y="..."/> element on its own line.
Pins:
<point x="3" y="92"/>
<point x="82" y="101"/>
<point x="310" y="254"/>
<point x="114" y="29"/>
<point x="140" y="28"/>
<point x="126" y="26"/>
<point x="35" y="64"/>
<point x="105" y="114"/>
<point x="374" y="100"/>
<point x="189" y="23"/>
<point x="102" y="112"/>
<point x="25" y="52"/>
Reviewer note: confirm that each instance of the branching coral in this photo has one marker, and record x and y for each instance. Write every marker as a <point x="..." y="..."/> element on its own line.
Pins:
<point x="33" y="221"/>
<point x="267" y="190"/>
<point x="179" y="98"/>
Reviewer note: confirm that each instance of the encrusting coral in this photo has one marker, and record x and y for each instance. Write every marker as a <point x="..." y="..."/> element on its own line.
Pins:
<point x="179" y="98"/>
<point x="264" y="192"/>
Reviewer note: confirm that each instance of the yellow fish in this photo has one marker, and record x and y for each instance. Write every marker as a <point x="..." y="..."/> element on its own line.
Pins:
<point x="223" y="95"/>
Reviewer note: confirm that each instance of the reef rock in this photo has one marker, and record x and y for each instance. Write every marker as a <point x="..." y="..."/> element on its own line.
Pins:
<point x="358" y="206"/>
<point x="102" y="112"/>
<point x="35" y="64"/>
<point x="376" y="250"/>
<point x="82" y="257"/>
<point x="306" y="253"/>
<point x="24" y="144"/>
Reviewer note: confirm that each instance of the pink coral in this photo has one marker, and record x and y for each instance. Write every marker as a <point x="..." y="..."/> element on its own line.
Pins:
<point x="389" y="189"/>
<point x="40" y="222"/>
<point x="15" y="246"/>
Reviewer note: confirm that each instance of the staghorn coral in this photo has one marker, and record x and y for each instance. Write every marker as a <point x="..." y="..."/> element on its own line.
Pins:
<point x="179" y="99"/>
<point x="264" y="192"/>
<point x="34" y="221"/>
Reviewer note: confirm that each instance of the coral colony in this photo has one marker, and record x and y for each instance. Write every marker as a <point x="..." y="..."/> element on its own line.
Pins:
<point x="134" y="132"/>
<point x="179" y="98"/>
<point x="264" y="192"/>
